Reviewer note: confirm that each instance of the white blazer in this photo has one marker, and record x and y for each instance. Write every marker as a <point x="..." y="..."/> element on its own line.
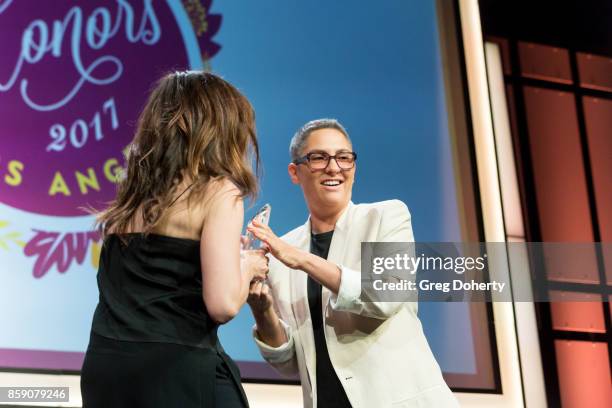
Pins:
<point x="378" y="350"/>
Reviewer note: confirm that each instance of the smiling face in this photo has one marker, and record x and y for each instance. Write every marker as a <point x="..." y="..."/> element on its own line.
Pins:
<point x="327" y="191"/>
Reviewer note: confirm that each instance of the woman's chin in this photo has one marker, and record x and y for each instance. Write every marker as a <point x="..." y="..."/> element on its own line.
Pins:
<point x="333" y="200"/>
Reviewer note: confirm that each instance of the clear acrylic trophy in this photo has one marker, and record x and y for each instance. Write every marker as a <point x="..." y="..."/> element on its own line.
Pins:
<point x="263" y="216"/>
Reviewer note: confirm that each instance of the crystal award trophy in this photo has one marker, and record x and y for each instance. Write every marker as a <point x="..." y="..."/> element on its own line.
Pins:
<point x="263" y="216"/>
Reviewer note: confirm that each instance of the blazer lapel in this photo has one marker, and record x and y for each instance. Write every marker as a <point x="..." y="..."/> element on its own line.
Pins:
<point x="299" y="295"/>
<point x="337" y="249"/>
<point x="299" y="286"/>
<point x="299" y="304"/>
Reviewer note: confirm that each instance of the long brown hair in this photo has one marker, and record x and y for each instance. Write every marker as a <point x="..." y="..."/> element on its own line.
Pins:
<point x="195" y="127"/>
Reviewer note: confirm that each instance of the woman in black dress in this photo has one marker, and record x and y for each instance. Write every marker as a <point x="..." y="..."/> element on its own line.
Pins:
<point x="171" y="269"/>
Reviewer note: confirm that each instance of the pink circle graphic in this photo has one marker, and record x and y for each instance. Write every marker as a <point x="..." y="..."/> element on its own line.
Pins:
<point x="74" y="78"/>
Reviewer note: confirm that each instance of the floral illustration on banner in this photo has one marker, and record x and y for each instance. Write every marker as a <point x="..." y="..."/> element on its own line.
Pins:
<point x="205" y="26"/>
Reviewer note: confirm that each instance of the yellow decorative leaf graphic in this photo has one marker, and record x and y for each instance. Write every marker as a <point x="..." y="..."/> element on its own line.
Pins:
<point x="12" y="236"/>
<point x="95" y="254"/>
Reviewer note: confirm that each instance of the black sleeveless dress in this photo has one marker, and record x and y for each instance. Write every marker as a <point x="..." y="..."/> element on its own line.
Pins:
<point x="152" y="342"/>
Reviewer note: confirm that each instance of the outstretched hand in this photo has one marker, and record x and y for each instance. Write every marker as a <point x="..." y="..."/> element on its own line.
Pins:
<point x="285" y="253"/>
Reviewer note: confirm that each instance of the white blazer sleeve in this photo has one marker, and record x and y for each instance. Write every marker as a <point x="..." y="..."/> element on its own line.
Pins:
<point x="283" y="357"/>
<point x="396" y="226"/>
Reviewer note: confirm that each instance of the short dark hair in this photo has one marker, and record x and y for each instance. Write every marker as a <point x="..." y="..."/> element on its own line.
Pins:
<point x="301" y="136"/>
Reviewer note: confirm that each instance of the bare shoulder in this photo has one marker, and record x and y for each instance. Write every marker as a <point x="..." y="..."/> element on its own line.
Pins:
<point x="220" y="192"/>
<point x="220" y="199"/>
<point x="188" y="215"/>
<point x="222" y="185"/>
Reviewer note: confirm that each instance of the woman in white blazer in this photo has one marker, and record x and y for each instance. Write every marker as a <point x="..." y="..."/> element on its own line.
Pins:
<point x="309" y="316"/>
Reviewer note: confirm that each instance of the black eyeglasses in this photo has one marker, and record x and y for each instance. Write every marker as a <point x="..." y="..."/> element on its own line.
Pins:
<point x="320" y="160"/>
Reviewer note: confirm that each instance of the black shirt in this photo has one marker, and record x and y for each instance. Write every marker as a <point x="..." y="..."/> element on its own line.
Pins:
<point x="150" y="314"/>
<point x="330" y="392"/>
<point x="151" y="290"/>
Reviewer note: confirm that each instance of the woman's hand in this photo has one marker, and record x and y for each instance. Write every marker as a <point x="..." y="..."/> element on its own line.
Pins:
<point x="260" y="299"/>
<point x="269" y="328"/>
<point x="287" y="254"/>
<point x="254" y="263"/>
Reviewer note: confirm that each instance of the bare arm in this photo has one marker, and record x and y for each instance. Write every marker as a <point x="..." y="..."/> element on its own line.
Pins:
<point x="269" y="329"/>
<point x="326" y="273"/>
<point x="274" y="338"/>
<point x="225" y="282"/>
